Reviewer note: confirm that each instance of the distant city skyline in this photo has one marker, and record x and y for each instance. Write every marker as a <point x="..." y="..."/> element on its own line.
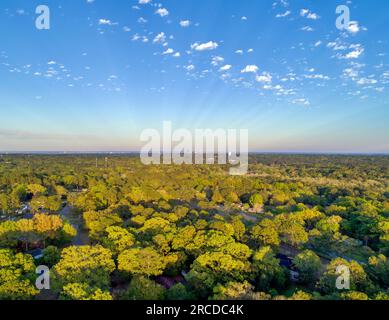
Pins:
<point x="105" y="72"/>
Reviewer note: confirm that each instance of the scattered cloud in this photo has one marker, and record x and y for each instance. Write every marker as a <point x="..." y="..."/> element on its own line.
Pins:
<point x="309" y="14"/>
<point x="204" y="46"/>
<point x="225" y="68"/>
<point x="365" y="81"/>
<point x="185" y="23"/>
<point x="358" y="50"/>
<point x="162" y="12"/>
<point x="353" y="27"/>
<point x="106" y="22"/>
<point x="307" y="28"/>
<point x="168" y="51"/>
<point x="301" y="101"/>
<point x="264" y="77"/>
<point x="318" y="43"/>
<point x="190" y="67"/>
<point x="160" y="38"/>
<point x="217" y="60"/>
<point x="283" y="15"/>
<point x="250" y="69"/>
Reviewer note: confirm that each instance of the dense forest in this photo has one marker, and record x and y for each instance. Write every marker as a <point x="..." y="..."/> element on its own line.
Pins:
<point x="109" y="227"/>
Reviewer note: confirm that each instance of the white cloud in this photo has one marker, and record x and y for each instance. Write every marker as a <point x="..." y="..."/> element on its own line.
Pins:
<point x="283" y="3"/>
<point x="309" y="14"/>
<point x="225" y="68"/>
<point x="244" y="18"/>
<point x="239" y="51"/>
<point x="160" y="38"/>
<point x="304" y="12"/>
<point x="51" y="62"/>
<point x="316" y="76"/>
<point x="185" y="23"/>
<point x="336" y="45"/>
<point x="177" y="55"/>
<point x="162" y="12"/>
<point x="312" y="16"/>
<point x="204" y="46"/>
<point x="355" y="54"/>
<point x="264" y="77"/>
<point x="168" y="51"/>
<point x="350" y="73"/>
<point x="190" y="67"/>
<point x="137" y="37"/>
<point x="301" y="101"/>
<point x="283" y="15"/>
<point x="353" y="27"/>
<point x="126" y="29"/>
<point x="364" y="81"/>
<point x="106" y="22"/>
<point x="270" y="87"/>
<point x="144" y="1"/>
<point x="307" y="28"/>
<point x="250" y="50"/>
<point x="217" y="60"/>
<point x="250" y="69"/>
<point x="318" y="43"/>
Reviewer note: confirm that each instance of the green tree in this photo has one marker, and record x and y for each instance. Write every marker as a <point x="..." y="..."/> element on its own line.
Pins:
<point x="359" y="280"/>
<point x="378" y="268"/>
<point x="118" y="239"/>
<point x="82" y="291"/>
<point x="142" y="261"/>
<point x="256" y="202"/>
<point x="265" y="233"/>
<point x="179" y="292"/>
<point x="354" y="295"/>
<point x="237" y="291"/>
<point x="17" y="272"/>
<point x="217" y="197"/>
<point x="51" y="256"/>
<point x="98" y="221"/>
<point x="4" y="203"/>
<point x="141" y="288"/>
<point x="308" y="265"/>
<point x="224" y="266"/>
<point x="36" y="189"/>
<point x="239" y="228"/>
<point x="90" y="265"/>
<point x="267" y="270"/>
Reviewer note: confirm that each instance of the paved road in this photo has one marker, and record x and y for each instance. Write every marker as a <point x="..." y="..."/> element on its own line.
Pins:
<point x="82" y="237"/>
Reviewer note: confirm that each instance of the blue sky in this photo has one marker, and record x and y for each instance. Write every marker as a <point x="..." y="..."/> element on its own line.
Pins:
<point x="107" y="69"/>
